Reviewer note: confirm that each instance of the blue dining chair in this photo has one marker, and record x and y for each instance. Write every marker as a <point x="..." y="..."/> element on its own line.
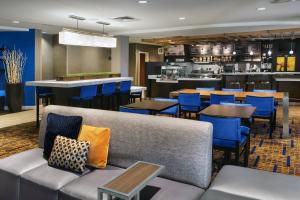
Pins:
<point x="220" y="98"/>
<point x="233" y="90"/>
<point x="227" y="136"/>
<point x="265" y="109"/>
<point x="206" y="103"/>
<point x="87" y="94"/>
<point x="189" y="103"/>
<point x="2" y="99"/>
<point x="245" y="129"/>
<point x="124" y="93"/>
<point x="173" y="111"/>
<point x="132" y="110"/>
<point x="107" y="95"/>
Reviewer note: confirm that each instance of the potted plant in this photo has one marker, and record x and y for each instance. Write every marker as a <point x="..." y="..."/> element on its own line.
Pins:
<point x="14" y="62"/>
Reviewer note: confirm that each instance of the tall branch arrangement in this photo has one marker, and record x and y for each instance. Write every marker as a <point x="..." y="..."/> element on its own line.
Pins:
<point x="14" y="62"/>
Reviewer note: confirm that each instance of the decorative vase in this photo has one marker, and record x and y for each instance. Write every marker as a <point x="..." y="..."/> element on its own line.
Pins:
<point x="14" y="97"/>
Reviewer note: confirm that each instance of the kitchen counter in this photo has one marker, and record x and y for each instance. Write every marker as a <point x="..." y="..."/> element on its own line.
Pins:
<point x="287" y="79"/>
<point x="159" y="80"/>
<point x="73" y="84"/>
<point x="262" y="73"/>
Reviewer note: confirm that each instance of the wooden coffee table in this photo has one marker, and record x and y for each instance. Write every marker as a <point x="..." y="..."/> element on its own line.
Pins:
<point x="153" y="106"/>
<point x="128" y="185"/>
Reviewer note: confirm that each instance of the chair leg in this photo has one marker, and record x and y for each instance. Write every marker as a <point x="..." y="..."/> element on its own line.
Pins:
<point x="37" y="111"/>
<point x="237" y="156"/>
<point x="271" y="127"/>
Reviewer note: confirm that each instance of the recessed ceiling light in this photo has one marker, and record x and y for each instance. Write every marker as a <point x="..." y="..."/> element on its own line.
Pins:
<point x="16" y="22"/>
<point x="142" y="1"/>
<point x="181" y="18"/>
<point x="44" y="32"/>
<point x="261" y="9"/>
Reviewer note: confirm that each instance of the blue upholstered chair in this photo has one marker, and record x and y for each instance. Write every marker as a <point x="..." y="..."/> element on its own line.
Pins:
<point x="2" y="99"/>
<point x="233" y="90"/>
<point x="107" y="95"/>
<point x="173" y="111"/>
<point x="227" y="136"/>
<point x="220" y="98"/>
<point x="136" y="111"/>
<point x="189" y="103"/>
<point x="124" y="93"/>
<point x="244" y="129"/>
<point x="206" y="103"/>
<point x="87" y="94"/>
<point x="265" y="109"/>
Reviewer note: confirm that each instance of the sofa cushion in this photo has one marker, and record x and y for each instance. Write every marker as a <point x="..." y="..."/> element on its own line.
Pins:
<point x="256" y="184"/>
<point x="12" y="167"/>
<point x="69" y="154"/>
<point x="159" y="188"/>
<point x="68" y="126"/>
<point x="218" y="195"/>
<point x="99" y="144"/>
<point x="162" y="140"/>
<point x="44" y="182"/>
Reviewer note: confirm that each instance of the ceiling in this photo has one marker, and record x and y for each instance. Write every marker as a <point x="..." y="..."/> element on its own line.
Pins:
<point x="157" y="18"/>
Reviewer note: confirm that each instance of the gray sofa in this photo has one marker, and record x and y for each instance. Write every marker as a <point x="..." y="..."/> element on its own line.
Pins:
<point x="184" y="147"/>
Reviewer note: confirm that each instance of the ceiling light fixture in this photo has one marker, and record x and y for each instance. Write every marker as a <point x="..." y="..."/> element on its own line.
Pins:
<point x="142" y="1"/>
<point x="181" y="18"/>
<point x="291" y="51"/>
<point x="83" y="38"/>
<point x="251" y="53"/>
<point x="261" y="9"/>
<point x="16" y="22"/>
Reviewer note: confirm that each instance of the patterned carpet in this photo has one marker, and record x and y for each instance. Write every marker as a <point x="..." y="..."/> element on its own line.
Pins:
<point x="277" y="155"/>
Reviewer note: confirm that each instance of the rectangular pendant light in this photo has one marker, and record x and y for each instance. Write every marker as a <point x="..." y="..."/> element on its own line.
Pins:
<point x="80" y="38"/>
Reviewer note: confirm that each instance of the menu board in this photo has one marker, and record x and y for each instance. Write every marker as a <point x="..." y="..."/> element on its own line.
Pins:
<point x="217" y="49"/>
<point x="174" y="50"/>
<point x="227" y="49"/>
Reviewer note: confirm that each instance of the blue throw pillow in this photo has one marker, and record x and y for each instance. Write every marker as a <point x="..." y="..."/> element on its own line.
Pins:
<point x="67" y="126"/>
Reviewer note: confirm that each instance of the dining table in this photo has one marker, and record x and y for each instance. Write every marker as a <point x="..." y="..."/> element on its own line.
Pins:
<point x="153" y="106"/>
<point x="279" y="97"/>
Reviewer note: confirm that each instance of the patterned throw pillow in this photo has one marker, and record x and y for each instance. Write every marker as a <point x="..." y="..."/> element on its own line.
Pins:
<point x="69" y="154"/>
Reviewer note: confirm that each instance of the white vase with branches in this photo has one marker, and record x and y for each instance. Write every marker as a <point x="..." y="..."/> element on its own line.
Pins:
<point x="14" y="62"/>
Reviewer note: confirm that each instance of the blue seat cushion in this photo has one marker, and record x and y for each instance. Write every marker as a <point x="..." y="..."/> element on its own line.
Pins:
<point x="2" y="93"/>
<point x="245" y="130"/>
<point x="262" y="114"/>
<point x="77" y="98"/>
<point x="170" y="111"/>
<point x="229" y="143"/>
<point x="67" y="126"/>
<point x="190" y="108"/>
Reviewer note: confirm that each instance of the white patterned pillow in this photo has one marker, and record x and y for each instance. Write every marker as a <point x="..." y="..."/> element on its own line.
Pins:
<point x="69" y="154"/>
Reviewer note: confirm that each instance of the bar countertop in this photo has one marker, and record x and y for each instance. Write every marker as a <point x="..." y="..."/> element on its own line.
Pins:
<point x="72" y="84"/>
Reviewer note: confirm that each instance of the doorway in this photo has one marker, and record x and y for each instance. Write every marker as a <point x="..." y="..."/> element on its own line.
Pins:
<point x="142" y="58"/>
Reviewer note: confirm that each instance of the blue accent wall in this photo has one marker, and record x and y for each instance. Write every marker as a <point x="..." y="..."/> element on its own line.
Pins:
<point x="25" y="41"/>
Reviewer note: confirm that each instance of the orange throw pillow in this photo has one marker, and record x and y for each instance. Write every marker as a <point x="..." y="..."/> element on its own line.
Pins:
<point x="99" y="144"/>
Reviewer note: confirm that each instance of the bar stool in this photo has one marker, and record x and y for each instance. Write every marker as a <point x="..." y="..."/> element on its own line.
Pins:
<point x="87" y="94"/>
<point x="124" y="93"/>
<point x="107" y="94"/>
<point x="47" y="96"/>
<point x="135" y="95"/>
<point x="2" y="99"/>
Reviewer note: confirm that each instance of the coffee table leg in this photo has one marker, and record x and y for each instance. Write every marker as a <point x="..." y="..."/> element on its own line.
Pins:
<point x="137" y="197"/>
<point x="100" y="195"/>
<point x="109" y="197"/>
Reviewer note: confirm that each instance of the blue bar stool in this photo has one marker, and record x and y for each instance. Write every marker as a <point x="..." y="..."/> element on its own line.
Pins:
<point x="220" y="98"/>
<point x="107" y="95"/>
<point x="136" y="111"/>
<point x="206" y="103"/>
<point x="228" y="137"/>
<point x="189" y="103"/>
<point x="2" y="99"/>
<point x="173" y="111"/>
<point x="87" y="94"/>
<point x="265" y="109"/>
<point x="124" y="93"/>
<point x="47" y="96"/>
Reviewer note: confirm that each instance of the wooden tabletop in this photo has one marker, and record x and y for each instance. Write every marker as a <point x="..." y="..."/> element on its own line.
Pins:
<point x="151" y="105"/>
<point x="229" y="111"/>
<point x="238" y="95"/>
<point x="133" y="177"/>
